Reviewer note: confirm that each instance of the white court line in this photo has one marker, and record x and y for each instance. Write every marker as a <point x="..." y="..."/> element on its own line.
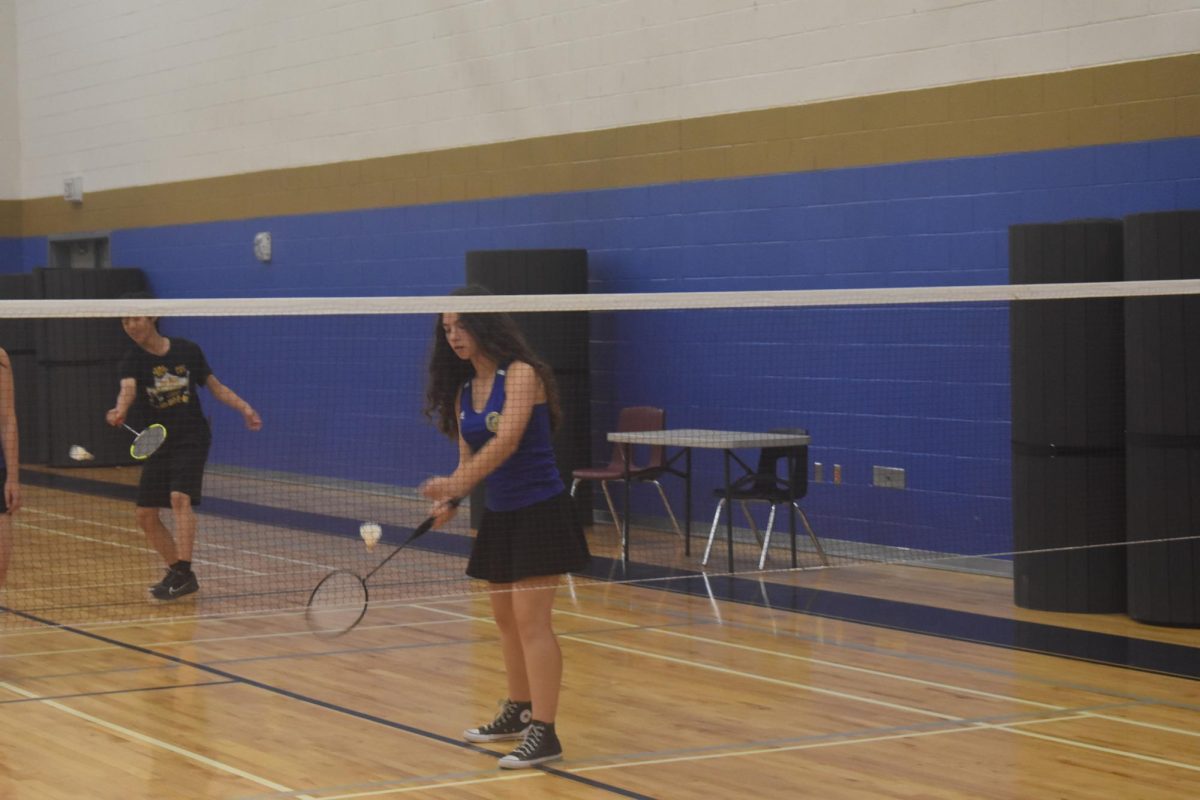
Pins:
<point x="1102" y="749"/>
<point x="209" y="640"/>
<point x="149" y="740"/>
<point x="1010" y="727"/>
<point x="823" y="662"/>
<point x="109" y="543"/>
<point x="447" y="785"/>
<point x="832" y="664"/>
<point x="882" y="674"/>
<point x="739" y="673"/>
<point x="292" y="634"/>
<point x="82" y="538"/>
<point x="899" y="677"/>
<point x="780" y="749"/>
<point x="764" y="678"/>
<point x="1151" y="725"/>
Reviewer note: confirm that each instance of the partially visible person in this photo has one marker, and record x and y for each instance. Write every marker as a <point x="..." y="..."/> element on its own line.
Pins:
<point x="498" y="401"/>
<point x="159" y="378"/>
<point x="10" y="442"/>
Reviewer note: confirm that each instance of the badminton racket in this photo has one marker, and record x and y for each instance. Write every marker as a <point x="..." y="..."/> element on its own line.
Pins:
<point x="146" y="442"/>
<point x="339" y="601"/>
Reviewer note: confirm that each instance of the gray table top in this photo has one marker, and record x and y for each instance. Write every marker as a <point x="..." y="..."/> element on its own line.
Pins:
<point x="716" y="440"/>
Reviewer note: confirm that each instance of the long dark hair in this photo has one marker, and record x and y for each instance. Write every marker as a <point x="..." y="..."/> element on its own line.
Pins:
<point x="501" y="340"/>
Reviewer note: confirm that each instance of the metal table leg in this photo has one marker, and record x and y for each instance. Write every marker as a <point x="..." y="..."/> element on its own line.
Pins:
<point x="729" y="511"/>
<point x="625" y="455"/>
<point x="687" y="502"/>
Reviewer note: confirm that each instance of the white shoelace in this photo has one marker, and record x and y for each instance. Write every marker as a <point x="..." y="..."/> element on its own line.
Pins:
<point x="533" y="740"/>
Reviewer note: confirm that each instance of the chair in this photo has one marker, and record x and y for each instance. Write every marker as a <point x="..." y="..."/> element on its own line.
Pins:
<point x="631" y="419"/>
<point x="765" y="485"/>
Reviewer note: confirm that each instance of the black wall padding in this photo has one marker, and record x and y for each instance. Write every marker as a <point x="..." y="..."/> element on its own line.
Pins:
<point x="1068" y="413"/>
<point x="561" y="339"/>
<point x="77" y="365"/>
<point x="1162" y="355"/>
<point x="29" y="408"/>
<point x="16" y="337"/>
<point x="79" y="395"/>
<point x="83" y="340"/>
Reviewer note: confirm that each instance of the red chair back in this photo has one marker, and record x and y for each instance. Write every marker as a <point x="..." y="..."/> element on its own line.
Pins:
<point x="636" y="419"/>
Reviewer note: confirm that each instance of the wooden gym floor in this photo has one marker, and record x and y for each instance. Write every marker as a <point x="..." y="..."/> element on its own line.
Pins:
<point x="855" y="682"/>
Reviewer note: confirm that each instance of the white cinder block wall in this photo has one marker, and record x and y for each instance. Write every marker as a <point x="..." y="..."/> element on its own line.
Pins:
<point x="10" y="157"/>
<point x="137" y="92"/>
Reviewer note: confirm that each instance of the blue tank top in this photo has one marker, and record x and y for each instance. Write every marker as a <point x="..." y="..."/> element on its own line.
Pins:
<point x="530" y="474"/>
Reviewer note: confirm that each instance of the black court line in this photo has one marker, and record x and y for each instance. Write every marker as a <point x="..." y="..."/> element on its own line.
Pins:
<point x="1126" y="652"/>
<point x="291" y="695"/>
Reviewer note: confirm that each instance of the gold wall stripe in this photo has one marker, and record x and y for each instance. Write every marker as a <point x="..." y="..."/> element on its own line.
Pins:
<point x="10" y="217"/>
<point x="1130" y="102"/>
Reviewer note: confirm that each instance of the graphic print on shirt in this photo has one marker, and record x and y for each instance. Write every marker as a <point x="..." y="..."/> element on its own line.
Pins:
<point x="172" y="387"/>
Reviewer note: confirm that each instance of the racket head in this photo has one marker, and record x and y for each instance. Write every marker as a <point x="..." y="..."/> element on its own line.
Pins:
<point x="146" y="443"/>
<point x="337" y="604"/>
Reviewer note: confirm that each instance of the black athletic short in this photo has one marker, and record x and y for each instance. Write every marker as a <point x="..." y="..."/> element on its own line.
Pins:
<point x="542" y="539"/>
<point x="176" y="467"/>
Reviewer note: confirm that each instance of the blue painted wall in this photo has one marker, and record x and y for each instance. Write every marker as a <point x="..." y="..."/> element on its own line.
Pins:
<point x="10" y="255"/>
<point x="922" y="388"/>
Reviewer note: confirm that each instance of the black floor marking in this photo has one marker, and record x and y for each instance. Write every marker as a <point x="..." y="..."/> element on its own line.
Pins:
<point x="232" y="677"/>
<point x="1126" y="652"/>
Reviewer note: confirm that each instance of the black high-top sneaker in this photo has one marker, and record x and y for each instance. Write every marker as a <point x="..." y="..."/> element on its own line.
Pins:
<point x="510" y="723"/>
<point x="166" y="580"/>
<point x="541" y="745"/>
<point x="175" y="585"/>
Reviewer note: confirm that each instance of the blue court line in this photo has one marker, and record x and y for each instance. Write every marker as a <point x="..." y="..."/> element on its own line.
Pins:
<point x="1126" y="652"/>
<point x="289" y="694"/>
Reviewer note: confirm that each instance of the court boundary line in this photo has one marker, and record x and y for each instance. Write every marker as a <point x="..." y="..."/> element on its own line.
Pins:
<point x="294" y="695"/>
<point x="74" y="695"/>
<point x="681" y="581"/>
<point x="621" y="625"/>
<point x="138" y="736"/>
<point x="667" y="631"/>
<point x="854" y="698"/>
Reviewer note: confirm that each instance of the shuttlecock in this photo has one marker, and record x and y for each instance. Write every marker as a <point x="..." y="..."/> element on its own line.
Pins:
<point x="370" y="533"/>
<point x="78" y="453"/>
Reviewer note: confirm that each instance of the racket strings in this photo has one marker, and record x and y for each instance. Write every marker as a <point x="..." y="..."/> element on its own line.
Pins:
<point x="148" y="441"/>
<point x="337" y="604"/>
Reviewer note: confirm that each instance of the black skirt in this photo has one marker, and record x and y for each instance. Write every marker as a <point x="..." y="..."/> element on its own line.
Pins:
<point x="541" y="539"/>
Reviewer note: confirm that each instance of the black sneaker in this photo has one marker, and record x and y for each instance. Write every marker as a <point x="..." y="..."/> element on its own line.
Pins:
<point x="165" y="582"/>
<point x="511" y="723"/>
<point x="541" y="745"/>
<point x="175" y="585"/>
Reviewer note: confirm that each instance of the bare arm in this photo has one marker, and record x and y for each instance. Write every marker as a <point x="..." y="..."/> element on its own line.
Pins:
<point x="9" y="436"/>
<point x="116" y="414"/>
<point x="230" y="398"/>
<point x="442" y="511"/>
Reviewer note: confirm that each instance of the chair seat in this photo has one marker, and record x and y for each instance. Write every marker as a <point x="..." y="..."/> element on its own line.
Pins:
<point x="632" y="419"/>
<point x="776" y="496"/>
<point x="612" y="474"/>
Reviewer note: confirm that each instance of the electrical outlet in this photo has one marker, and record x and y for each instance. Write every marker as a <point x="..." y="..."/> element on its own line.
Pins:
<point x="888" y="477"/>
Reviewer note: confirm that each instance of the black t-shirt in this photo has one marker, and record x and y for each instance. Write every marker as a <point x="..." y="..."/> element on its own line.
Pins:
<point x="166" y="388"/>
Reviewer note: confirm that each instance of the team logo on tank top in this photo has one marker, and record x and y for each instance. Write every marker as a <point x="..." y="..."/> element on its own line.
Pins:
<point x="492" y="421"/>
